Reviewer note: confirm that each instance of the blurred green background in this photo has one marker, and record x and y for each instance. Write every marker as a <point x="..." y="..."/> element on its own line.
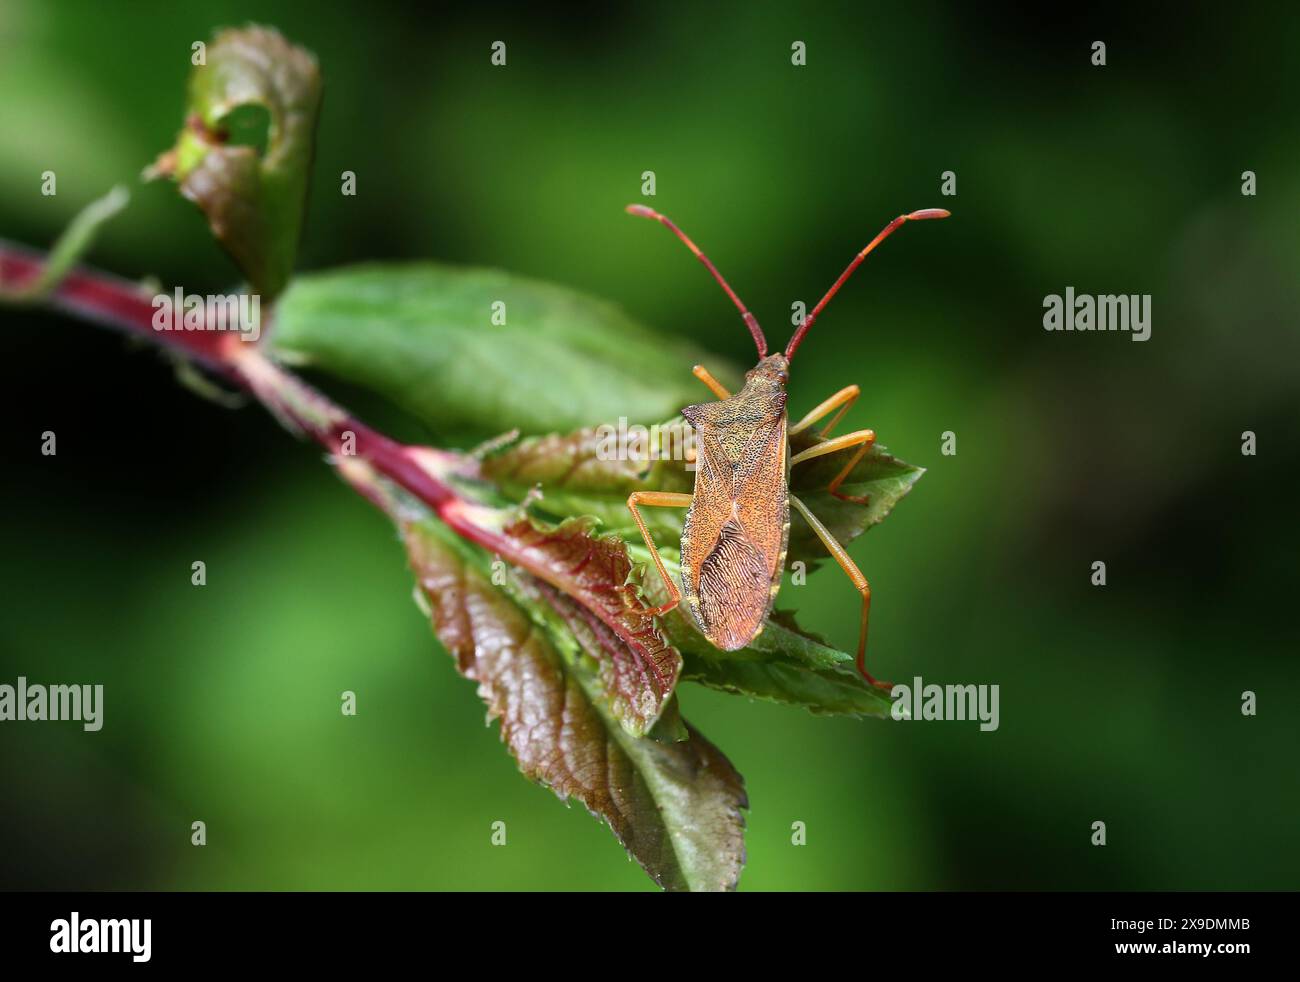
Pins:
<point x="1119" y="704"/>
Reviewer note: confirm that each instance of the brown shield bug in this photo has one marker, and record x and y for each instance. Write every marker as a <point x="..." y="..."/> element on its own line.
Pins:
<point x="738" y="524"/>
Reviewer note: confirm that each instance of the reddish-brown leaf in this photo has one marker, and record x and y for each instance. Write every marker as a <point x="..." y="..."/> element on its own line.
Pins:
<point x="641" y="668"/>
<point x="676" y="807"/>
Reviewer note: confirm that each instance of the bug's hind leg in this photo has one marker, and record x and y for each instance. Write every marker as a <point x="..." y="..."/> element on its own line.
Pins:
<point x="862" y="439"/>
<point x="859" y="582"/>
<point x="660" y="499"/>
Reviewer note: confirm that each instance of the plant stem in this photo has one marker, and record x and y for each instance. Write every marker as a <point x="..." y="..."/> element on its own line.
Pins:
<point x="115" y="302"/>
<point x="103" y="299"/>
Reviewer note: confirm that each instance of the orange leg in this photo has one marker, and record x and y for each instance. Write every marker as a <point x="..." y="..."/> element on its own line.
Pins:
<point x="862" y="439"/>
<point x="859" y="583"/>
<point x="659" y="499"/>
<point x="841" y="400"/>
<point x="716" y="387"/>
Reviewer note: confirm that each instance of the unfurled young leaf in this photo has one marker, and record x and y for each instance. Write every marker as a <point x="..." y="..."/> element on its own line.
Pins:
<point x="675" y="806"/>
<point x="254" y="196"/>
<point x="480" y="351"/>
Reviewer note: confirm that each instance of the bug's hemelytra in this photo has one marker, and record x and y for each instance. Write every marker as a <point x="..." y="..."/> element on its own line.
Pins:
<point x="738" y="523"/>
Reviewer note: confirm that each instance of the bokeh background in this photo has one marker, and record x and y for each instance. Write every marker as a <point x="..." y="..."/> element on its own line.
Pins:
<point x="1119" y="704"/>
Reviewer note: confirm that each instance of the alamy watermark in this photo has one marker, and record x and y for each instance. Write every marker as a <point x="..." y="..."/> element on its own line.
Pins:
<point x="237" y="312"/>
<point x="667" y="441"/>
<point x="1107" y="312"/>
<point x="921" y="701"/>
<point x="104" y="935"/>
<point x="23" y="702"/>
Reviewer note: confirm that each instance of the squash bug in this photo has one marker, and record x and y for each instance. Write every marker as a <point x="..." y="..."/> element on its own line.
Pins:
<point x="738" y="523"/>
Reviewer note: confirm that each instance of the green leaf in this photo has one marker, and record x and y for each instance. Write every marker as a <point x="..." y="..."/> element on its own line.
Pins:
<point x="786" y="665"/>
<point x="675" y="806"/>
<point x="254" y="197"/>
<point x="423" y="336"/>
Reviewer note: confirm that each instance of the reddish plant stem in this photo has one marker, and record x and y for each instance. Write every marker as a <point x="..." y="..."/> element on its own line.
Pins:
<point x="106" y="299"/>
<point x="119" y="303"/>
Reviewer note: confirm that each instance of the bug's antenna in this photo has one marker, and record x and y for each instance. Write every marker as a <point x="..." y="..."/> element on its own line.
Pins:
<point x="750" y="321"/>
<point x="914" y="216"/>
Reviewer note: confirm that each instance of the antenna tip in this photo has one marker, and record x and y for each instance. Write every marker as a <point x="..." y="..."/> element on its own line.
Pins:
<point x="642" y="211"/>
<point x="917" y="216"/>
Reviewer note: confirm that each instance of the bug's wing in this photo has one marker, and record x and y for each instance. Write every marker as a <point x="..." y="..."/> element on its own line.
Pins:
<point x="734" y="540"/>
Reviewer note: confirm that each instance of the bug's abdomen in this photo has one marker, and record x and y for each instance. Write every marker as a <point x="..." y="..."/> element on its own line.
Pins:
<point x="734" y="589"/>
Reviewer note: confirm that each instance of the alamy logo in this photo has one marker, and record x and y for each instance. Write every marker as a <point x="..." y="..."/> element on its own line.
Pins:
<point x="946" y="702"/>
<point x="179" y="311"/>
<point x="1108" y="312"/>
<point x="105" y="935"/>
<point x="667" y="441"/>
<point x="24" y="702"/>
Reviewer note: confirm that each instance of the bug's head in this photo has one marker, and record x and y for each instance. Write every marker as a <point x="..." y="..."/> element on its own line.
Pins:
<point x="773" y="370"/>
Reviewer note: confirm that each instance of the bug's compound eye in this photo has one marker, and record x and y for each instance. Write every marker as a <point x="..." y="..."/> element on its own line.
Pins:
<point x="783" y="376"/>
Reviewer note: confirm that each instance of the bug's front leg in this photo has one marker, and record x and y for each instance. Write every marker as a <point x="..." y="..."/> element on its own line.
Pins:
<point x="716" y="387"/>
<point x="859" y="582"/>
<point x="658" y="499"/>
<point x="842" y="400"/>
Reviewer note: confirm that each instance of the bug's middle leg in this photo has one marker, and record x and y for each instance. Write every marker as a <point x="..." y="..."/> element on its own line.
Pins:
<point x="859" y="582"/>
<point x="862" y="439"/>
<point x="659" y="499"/>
